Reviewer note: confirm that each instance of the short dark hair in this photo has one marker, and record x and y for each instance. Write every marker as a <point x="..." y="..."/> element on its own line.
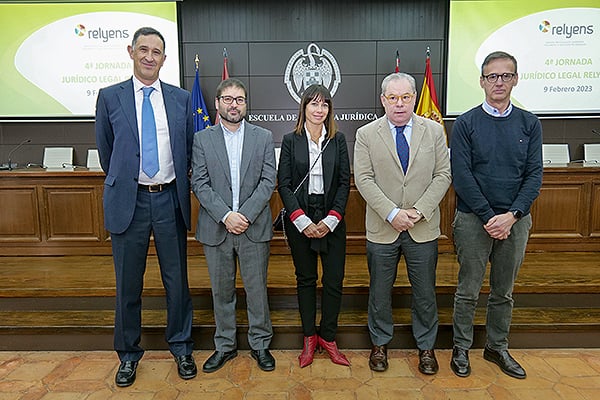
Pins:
<point x="316" y="92"/>
<point x="146" y="31"/>
<point x="497" y="55"/>
<point x="231" y="82"/>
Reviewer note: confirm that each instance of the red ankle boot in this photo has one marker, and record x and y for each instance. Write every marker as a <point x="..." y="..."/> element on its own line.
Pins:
<point x="334" y="353"/>
<point x="308" y="351"/>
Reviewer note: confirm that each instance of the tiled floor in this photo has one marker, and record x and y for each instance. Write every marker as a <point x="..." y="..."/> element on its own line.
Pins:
<point x="552" y="374"/>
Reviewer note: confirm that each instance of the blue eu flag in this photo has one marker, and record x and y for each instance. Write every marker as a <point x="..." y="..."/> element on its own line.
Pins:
<point x="201" y="118"/>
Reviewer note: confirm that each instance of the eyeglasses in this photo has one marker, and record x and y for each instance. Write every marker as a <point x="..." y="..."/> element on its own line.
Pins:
<point x="240" y="100"/>
<point x="405" y="98"/>
<point x="493" y="78"/>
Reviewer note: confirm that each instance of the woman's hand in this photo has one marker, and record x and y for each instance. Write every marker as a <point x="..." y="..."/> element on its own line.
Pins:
<point x="316" y="231"/>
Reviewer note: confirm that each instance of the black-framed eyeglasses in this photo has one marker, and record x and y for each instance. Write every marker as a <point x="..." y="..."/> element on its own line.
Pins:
<point x="493" y="78"/>
<point x="240" y="100"/>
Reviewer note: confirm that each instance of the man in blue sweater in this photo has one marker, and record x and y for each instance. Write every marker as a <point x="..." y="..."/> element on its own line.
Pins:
<point x="497" y="170"/>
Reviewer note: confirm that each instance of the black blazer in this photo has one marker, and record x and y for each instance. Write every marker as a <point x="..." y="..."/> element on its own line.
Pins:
<point x="294" y="164"/>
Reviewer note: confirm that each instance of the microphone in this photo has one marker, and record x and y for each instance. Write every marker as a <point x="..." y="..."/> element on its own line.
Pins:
<point x="15" y="149"/>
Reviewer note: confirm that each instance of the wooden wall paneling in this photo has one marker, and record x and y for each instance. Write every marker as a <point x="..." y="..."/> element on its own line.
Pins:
<point x="60" y="213"/>
<point x="19" y="214"/>
<point x="447" y="211"/>
<point x="72" y="213"/>
<point x="559" y="211"/>
<point x="595" y="209"/>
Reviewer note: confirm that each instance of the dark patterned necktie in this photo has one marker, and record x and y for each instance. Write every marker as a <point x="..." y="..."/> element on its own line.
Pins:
<point x="402" y="147"/>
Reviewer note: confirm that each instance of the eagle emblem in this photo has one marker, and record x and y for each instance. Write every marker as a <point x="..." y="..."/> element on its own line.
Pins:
<point x="313" y="66"/>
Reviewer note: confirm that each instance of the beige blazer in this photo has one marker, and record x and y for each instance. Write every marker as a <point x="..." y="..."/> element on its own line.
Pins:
<point x="381" y="182"/>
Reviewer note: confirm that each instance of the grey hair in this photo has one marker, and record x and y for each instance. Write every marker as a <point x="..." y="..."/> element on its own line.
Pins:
<point x="396" y="76"/>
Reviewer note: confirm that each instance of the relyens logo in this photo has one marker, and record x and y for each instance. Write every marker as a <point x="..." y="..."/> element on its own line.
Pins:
<point x="102" y="34"/>
<point x="565" y="30"/>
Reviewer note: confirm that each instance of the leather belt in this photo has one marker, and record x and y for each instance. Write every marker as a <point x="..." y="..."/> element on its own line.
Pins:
<point x="159" y="187"/>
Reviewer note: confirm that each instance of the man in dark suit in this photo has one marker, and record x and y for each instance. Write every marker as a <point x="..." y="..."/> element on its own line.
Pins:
<point x="144" y="132"/>
<point x="233" y="177"/>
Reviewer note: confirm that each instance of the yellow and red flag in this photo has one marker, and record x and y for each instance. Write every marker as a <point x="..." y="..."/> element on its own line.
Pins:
<point x="428" y="106"/>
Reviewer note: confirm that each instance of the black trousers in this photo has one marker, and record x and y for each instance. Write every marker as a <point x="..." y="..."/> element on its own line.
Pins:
<point x="305" y="253"/>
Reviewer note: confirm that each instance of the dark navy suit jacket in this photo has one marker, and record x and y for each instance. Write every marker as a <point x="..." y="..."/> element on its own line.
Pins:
<point x="118" y="145"/>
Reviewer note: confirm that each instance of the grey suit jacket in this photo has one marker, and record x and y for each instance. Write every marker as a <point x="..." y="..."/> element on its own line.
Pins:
<point x="211" y="183"/>
<point x="381" y="181"/>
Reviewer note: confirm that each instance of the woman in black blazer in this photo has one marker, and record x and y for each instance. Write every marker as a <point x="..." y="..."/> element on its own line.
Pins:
<point x="314" y="222"/>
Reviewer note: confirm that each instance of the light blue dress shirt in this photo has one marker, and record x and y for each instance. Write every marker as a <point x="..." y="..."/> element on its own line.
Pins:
<point x="234" y="141"/>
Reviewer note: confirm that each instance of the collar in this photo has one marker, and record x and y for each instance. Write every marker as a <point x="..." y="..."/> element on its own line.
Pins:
<point x="493" y="111"/>
<point x="238" y="130"/>
<point x="138" y="85"/>
<point x="323" y="132"/>
<point x="393" y="127"/>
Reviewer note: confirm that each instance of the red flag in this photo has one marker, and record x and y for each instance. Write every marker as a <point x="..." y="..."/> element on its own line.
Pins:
<point x="428" y="103"/>
<point x="397" y="61"/>
<point x="224" y="75"/>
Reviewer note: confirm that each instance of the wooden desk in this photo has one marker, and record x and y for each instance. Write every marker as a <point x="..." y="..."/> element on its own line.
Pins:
<point x="60" y="213"/>
<point x="44" y="212"/>
<point x="566" y="215"/>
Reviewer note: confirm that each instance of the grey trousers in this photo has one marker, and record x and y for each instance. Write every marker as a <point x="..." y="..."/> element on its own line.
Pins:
<point x="253" y="259"/>
<point x="474" y="248"/>
<point x="421" y="263"/>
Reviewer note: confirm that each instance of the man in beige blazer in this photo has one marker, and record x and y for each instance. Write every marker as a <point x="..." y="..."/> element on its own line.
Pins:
<point x="402" y="170"/>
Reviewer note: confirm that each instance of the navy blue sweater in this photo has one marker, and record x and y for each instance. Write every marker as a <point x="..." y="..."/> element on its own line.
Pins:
<point x="496" y="162"/>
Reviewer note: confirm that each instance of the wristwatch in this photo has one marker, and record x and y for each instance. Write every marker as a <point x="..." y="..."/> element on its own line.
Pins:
<point x="517" y="213"/>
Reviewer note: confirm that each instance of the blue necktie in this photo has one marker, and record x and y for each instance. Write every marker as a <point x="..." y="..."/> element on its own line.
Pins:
<point x="402" y="147"/>
<point x="149" y="140"/>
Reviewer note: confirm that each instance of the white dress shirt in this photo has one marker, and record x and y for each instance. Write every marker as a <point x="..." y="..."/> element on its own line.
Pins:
<point x="315" y="181"/>
<point x="166" y="173"/>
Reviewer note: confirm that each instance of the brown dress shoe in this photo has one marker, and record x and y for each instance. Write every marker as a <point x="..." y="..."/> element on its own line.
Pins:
<point x="378" y="359"/>
<point x="428" y="365"/>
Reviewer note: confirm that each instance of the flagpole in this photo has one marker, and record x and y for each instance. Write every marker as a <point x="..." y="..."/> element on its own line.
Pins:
<point x="201" y="118"/>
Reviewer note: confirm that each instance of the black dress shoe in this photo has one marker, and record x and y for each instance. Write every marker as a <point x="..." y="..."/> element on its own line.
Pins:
<point x="378" y="358"/>
<point x="186" y="366"/>
<point x="504" y="360"/>
<point x="218" y="359"/>
<point x="126" y="373"/>
<point x="460" y="362"/>
<point x="264" y="359"/>
<point x="428" y="364"/>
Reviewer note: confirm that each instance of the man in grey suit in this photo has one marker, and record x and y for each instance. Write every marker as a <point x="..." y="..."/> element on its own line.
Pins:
<point x="233" y="177"/>
<point x="402" y="170"/>
<point x="144" y="132"/>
